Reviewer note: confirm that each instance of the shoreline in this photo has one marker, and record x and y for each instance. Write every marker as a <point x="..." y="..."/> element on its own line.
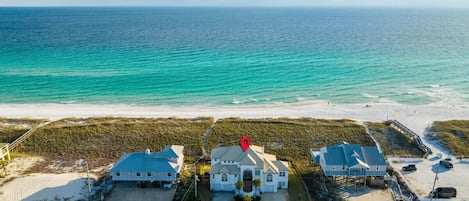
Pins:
<point x="315" y="109"/>
<point x="416" y="117"/>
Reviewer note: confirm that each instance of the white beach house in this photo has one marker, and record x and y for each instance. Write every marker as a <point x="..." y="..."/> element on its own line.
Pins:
<point x="345" y="159"/>
<point x="146" y="166"/>
<point x="232" y="164"/>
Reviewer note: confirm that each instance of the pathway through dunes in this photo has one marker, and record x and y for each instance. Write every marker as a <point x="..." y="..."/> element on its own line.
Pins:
<point x="26" y="135"/>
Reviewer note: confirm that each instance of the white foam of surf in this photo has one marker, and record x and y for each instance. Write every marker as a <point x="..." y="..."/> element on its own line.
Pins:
<point x="367" y="95"/>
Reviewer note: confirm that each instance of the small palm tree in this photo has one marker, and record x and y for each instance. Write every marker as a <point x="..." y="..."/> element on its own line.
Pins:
<point x="247" y="198"/>
<point x="257" y="185"/>
<point x="239" y="185"/>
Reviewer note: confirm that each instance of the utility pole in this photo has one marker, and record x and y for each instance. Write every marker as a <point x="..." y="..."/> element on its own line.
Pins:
<point x="195" y="181"/>
<point x="434" y="182"/>
<point x="88" y="177"/>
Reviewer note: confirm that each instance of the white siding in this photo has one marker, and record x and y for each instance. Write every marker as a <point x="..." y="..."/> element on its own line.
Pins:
<point x="269" y="186"/>
<point x="283" y="179"/>
<point x="216" y="183"/>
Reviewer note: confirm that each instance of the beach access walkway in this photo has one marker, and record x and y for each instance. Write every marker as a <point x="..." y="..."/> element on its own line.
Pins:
<point x="26" y="135"/>
<point x="403" y="129"/>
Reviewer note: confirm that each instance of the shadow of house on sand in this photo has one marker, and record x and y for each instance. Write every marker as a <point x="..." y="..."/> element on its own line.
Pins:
<point x="73" y="190"/>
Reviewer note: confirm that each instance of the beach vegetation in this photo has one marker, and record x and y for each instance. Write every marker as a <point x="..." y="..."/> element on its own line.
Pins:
<point x="394" y="142"/>
<point x="289" y="139"/>
<point x="12" y="128"/>
<point x="453" y="135"/>
<point x="102" y="141"/>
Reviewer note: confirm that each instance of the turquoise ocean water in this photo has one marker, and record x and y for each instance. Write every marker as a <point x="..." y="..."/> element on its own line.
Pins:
<point x="226" y="56"/>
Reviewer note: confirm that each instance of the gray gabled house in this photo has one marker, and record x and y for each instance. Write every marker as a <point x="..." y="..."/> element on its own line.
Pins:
<point x="344" y="159"/>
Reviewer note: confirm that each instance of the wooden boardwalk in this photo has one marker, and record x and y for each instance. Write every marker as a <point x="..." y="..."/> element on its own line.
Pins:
<point x="403" y="129"/>
<point x="25" y="136"/>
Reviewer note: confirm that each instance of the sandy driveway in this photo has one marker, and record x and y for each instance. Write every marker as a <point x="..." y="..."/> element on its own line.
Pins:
<point x="124" y="191"/>
<point x="422" y="179"/>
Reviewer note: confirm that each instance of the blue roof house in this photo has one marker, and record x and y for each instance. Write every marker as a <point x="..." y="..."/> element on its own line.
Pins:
<point x="344" y="159"/>
<point x="146" y="166"/>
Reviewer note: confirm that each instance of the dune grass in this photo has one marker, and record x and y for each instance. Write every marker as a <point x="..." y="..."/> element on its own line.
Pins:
<point x="11" y="128"/>
<point x="20" y="121"/>
<point x="453" y="135"/>
<point x="393" y="142"/>
<point x="8" y="135"/>
<point x="289" y="139"/>
<point x="103" y="140"/>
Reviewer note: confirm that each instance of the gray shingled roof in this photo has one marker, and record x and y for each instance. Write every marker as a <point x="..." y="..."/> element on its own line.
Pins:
<point x="254" y="155"/>
<point x="219" y="168"/>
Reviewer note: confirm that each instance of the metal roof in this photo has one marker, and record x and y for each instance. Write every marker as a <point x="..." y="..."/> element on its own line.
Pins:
<point x="353" y="154"/>
<point x="153" y="162"/>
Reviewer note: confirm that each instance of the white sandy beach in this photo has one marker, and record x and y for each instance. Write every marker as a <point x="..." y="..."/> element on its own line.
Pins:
<point x="417" y="118"/>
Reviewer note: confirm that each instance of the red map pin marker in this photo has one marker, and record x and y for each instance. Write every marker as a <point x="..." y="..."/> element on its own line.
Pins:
<point x="245" y="142"/>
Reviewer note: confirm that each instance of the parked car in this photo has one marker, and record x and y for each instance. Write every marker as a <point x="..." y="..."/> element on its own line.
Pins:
<point x="446" y="163"/>
<point x="443" y="192"/>
<point x="409" y="168"/>
<point x="167" y="185"/>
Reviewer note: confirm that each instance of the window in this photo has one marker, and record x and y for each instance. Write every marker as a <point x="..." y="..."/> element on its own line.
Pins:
<point x="269" y="178"/>
<point x="213" y="176"/>
<point x="118" y="174"/>
<point x="224" y="177"/>
<point x="138" y="174"/>
<point x="169" y="174"/>
<point x="281" y="184"/>
<point x="282" y="174"/>
<point x="149" y="174"/>
<point x="257" y="173"/>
